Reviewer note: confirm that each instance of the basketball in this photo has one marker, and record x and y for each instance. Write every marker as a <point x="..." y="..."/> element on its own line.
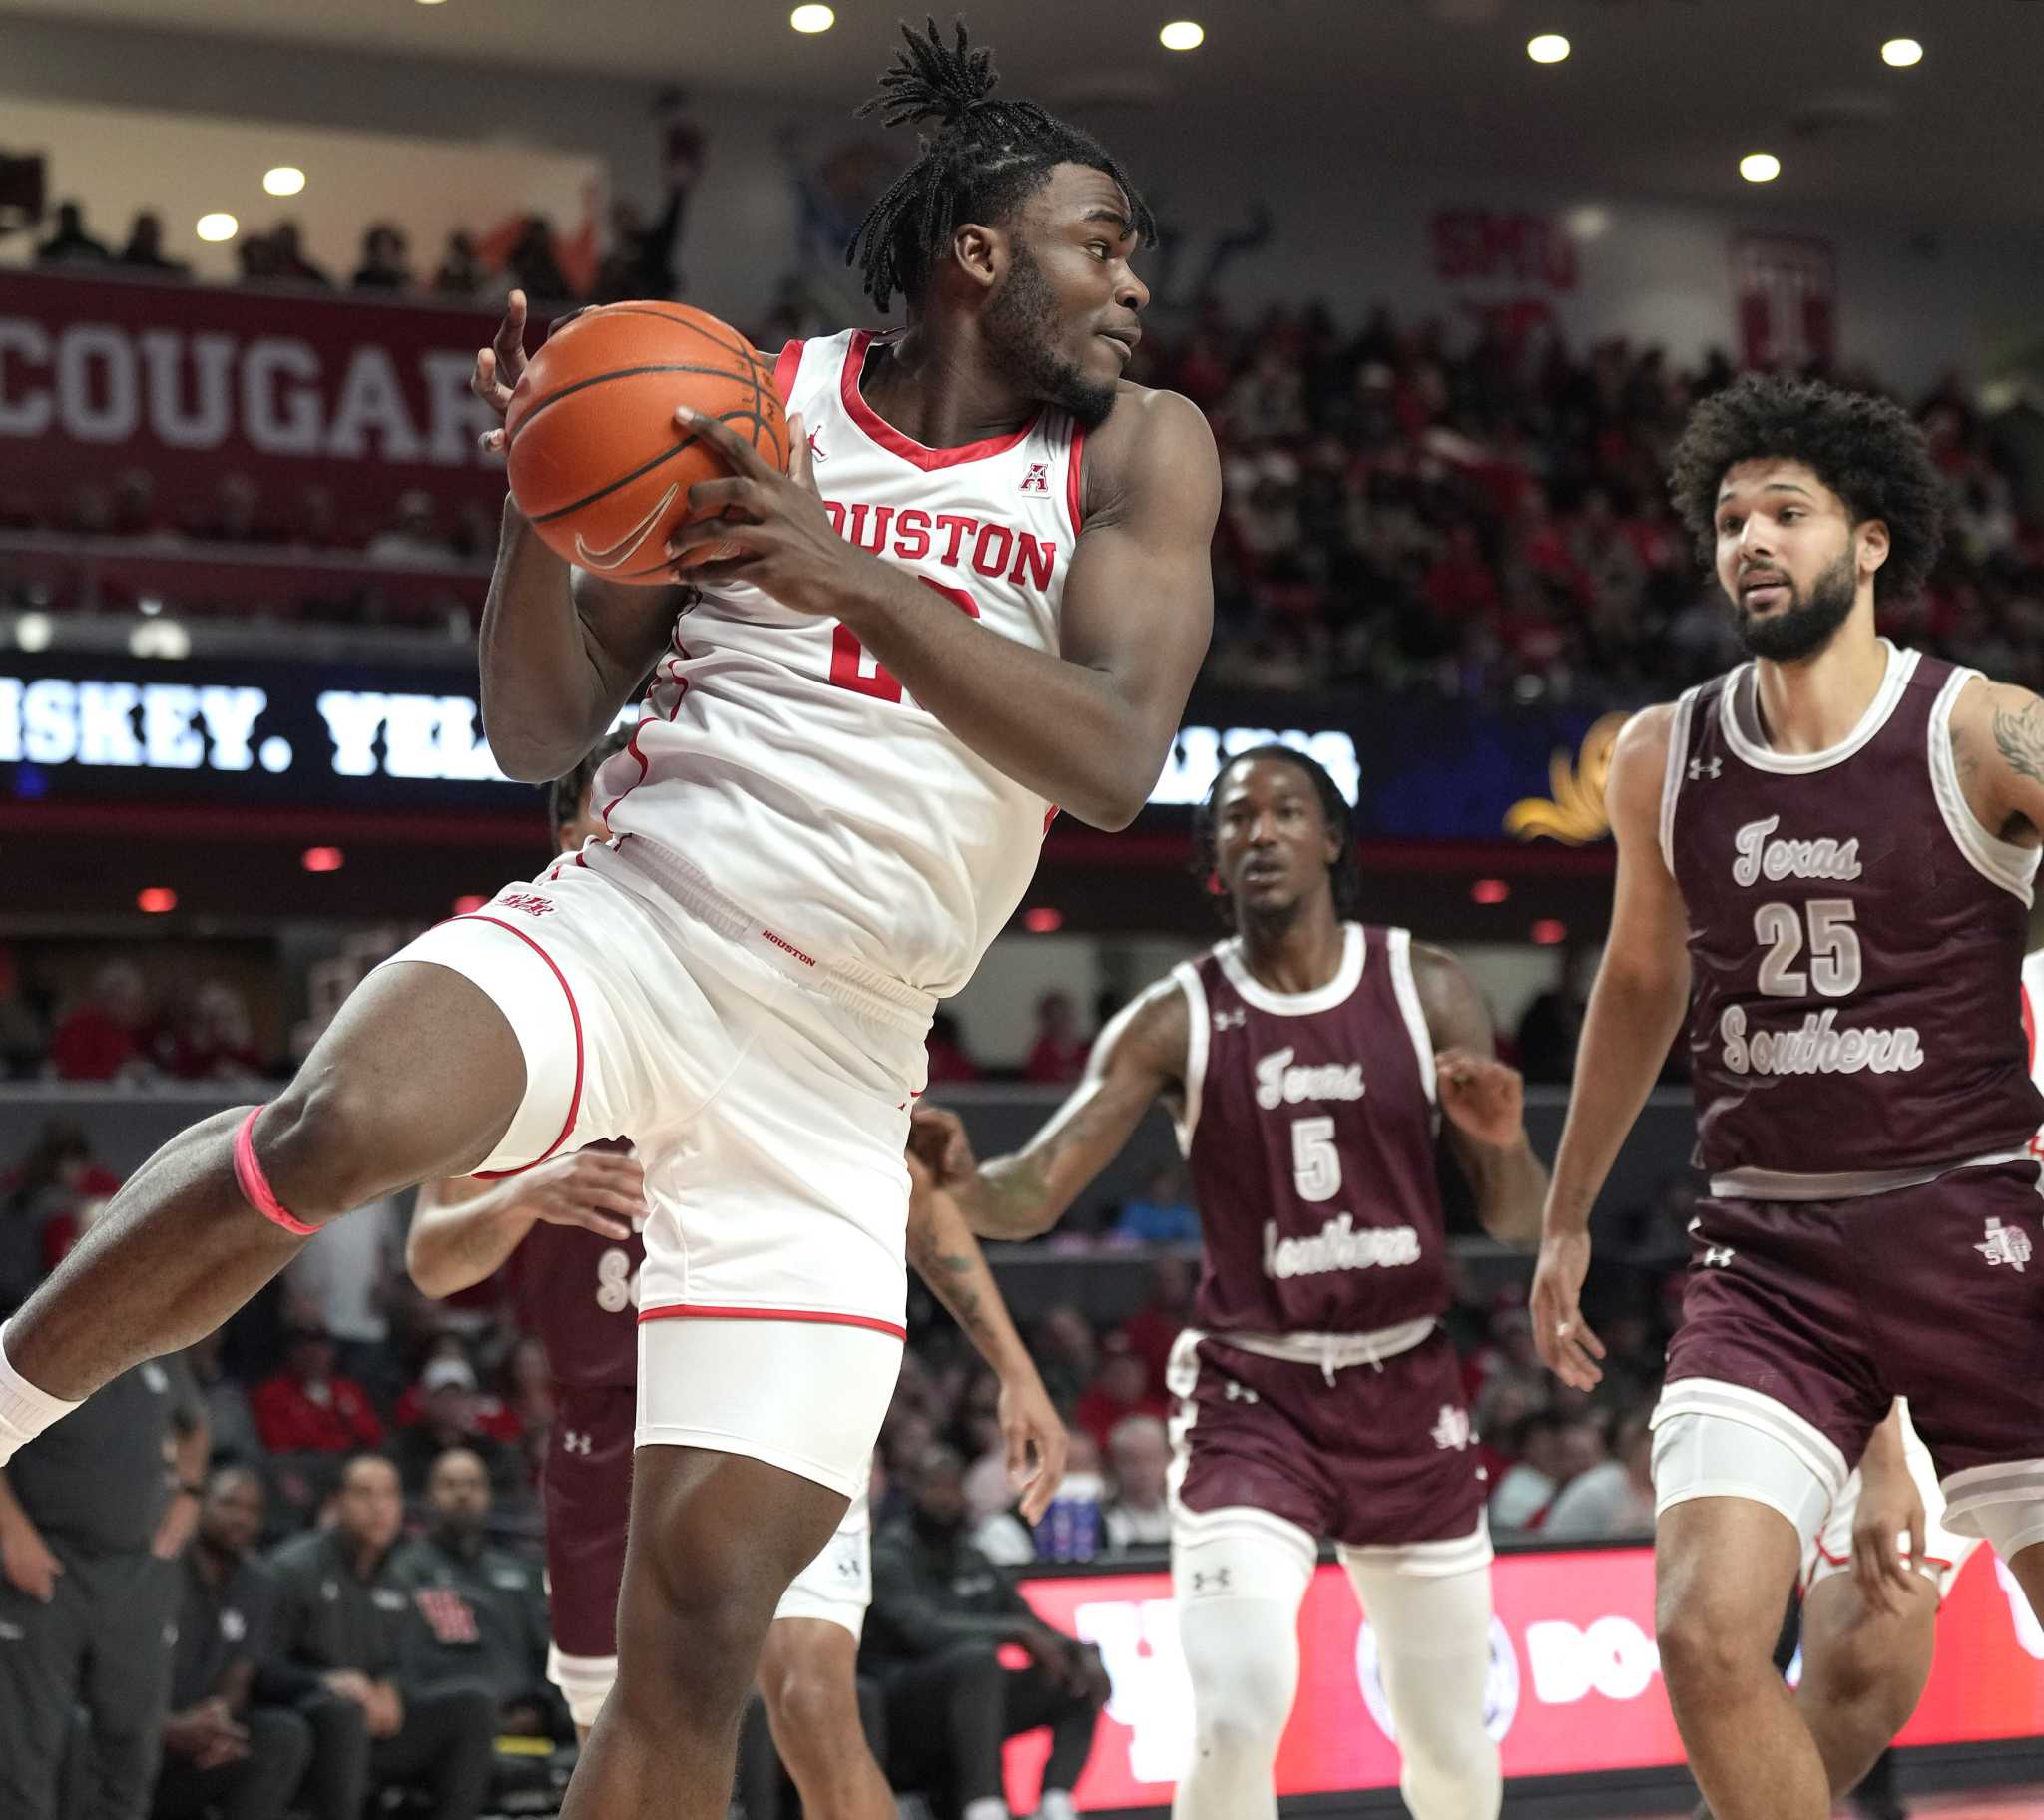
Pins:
<point x="597" y="460"/>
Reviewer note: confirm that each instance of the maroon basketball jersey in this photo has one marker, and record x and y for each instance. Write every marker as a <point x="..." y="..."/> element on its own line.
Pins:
<point x="1856" y="940"/>
<point x="580" y="1293"/>
<point x="1310" y="1126"/>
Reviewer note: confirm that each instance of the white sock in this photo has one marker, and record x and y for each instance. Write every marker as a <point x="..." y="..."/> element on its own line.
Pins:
<point x="1055" y="1804"/>
<point x="25" y="1411"/>
<point x="987" y="1807"/>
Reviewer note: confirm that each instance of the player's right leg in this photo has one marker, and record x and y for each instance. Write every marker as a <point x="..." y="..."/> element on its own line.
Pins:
<point x="421" y="1075"/>
<point x="808" y="1677"/>
<point x="1863" y="1671"/>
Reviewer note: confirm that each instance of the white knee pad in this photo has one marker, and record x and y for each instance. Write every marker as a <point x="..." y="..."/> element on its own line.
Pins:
<point x="1239" y="1587"/>
<point x="1756" y="1448"/>
<point x="1432" y="1642"/>
<point x="584" y="1681"/>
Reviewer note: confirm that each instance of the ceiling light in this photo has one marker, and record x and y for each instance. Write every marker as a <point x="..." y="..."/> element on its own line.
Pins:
<point x="812" y="19"/>
<point x="1759" y="167"/>
<point x="1901" y="53"/>
<point x="1549" y="933"/>
<point x="33" y="631"/>
<point x="1549" y="47"/>
<point x="1183" y="35"/>
<point x="430" y="2"/>
<point x="1043" y="919"/>
<point x="219" y="225"/>
<point x="155" y="901"/>
<point x="284" y="180"/>
<point x="469" y="905"/>
<point x="322" y="859"/>
<point x="1489" y="891"/>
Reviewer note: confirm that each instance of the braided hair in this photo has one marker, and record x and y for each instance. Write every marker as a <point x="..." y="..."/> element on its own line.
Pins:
<point x="985" y="158"/>
<point x="1345" y="871"/>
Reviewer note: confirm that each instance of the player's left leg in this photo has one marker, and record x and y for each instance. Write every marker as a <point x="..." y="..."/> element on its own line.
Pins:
<point x="1432" y="1635"/>
<point x="808" y="1677"/>
<point x="714" y="1540"/>
<point x="1863" y="1672"/>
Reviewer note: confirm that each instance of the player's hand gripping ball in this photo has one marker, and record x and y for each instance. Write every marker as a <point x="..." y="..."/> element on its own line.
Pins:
<point x="599" y="463"/>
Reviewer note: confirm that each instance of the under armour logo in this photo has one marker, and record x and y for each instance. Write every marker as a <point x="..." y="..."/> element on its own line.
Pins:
<point x="816" y="453"/>
<point x="577" y="1441"/>
<point x="1230" y="1020"/>
<point x="1718" y="1256"/>
<point x="2005" y="1245"/>
<point x="1209" y="1580"/>
<point x="1236" y="1394"/>
<point x="1698" y="770"/>
<point x="1037" y="480"/>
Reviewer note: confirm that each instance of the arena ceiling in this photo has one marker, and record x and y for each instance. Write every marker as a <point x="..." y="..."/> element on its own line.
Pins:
<point x="1659" y="97"/>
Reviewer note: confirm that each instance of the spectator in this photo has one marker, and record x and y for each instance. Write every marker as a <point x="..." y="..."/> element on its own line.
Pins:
<point x="134" y="512"/>
<point x="1154" y="1328"/>
<point x="1121" y="1389"/>
<point x="308" y="1408"/>
<point x="1613" y="1499"/>
<point x="461" y="273"/>
<point x="1536" y="1475"/>
<point x="1553" y="1022"/>
<point x="221" y="1753"/>
<point x="88" y="1520"/>
<point x="348" y="1285"/>
<point x="292" y="265"/>
<point x="484" y="1609"/>
<point x="70" y="244"/>
<point x="1163" y="1213"/>
<point x="1058" y="1055"/>
<point x="145" y="248"/>
<point x="535" y="266"/>
<point x="42" y="1199"/>
<point x="349" y="1651"/>
<point x="217" y="1042"/>
<point x="256" y="258"/>
<point x="23" y="1039"/>
<point x="409" y="540"/>
<point x="235" y="515"/>
<point x="384" y="265"/>
<point x="101" y="1039"/>
<point x="948" y="1062"/>
<point x="940" y="1615"/>
<point x="1138" y="1515"/>
<point x="228" y="1418"/>
<point x="1067" y="1353"/>
<point x="448" y="1418"/>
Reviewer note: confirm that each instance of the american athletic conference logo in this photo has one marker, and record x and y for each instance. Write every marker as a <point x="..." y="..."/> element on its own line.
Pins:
<point x="1500" y="1683"/>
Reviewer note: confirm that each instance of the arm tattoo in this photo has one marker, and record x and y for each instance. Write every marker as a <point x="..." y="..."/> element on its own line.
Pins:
<point x="947" y="1274"/>
<point x="1964" y="759"/>
<point x="2020" y="739"/>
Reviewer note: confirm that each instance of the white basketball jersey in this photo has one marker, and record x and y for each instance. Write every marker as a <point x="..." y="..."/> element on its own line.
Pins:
<point x="783" y="766"/>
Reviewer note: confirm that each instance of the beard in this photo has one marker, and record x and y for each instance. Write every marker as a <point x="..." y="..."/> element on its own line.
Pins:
<point x="1021" y="332"/>
<point x="1803" y="627"/>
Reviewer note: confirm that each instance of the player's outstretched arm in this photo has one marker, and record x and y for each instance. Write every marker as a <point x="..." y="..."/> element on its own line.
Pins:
<point x="948" y="1258"/>
<point x="1088" y="728"/>
<point x="1482" y="1101"/>
<point x="1139" y="1057"/>
<point x="561" y="652"/>
<point x="463" y="1230"/>
<point x="1636" y="1007"/>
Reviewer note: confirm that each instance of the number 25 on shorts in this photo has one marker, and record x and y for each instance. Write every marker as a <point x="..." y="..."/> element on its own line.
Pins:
<point x="852" y="667"/>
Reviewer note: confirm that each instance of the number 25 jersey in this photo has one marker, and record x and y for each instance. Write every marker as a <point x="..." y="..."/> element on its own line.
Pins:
<point x="1856" y="940"/>
<point x="790" y="771"/>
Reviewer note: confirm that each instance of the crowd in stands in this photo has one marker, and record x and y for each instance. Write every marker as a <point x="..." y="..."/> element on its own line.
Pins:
<point x="115" y="1028"/>
<point x="1474" y="512"/>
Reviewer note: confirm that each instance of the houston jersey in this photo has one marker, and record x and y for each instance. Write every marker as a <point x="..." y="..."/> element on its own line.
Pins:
<point x="1856" y="938"/>
<point x="1309" y="1124"/>
<point x="796" y="777"/>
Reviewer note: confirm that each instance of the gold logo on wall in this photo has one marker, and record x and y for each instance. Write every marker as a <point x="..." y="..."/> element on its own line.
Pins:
<point x="1576" y="814"/>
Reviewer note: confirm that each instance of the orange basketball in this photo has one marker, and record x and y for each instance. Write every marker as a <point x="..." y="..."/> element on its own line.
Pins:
<point x="598" y="462"/>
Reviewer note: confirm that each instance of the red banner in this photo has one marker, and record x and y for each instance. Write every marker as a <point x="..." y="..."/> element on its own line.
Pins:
<point x="365" y="397"/>
<point x="1575" y="1679"/>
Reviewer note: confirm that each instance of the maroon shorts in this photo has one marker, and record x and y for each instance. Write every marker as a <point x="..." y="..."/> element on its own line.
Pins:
<point x="587" y="1490"/>
<point x="1382" y="1457"/>
<point x="1837" y="1307"/>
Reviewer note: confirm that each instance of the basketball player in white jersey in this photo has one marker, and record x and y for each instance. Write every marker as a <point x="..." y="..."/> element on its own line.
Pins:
<point x="833" y="804"/>
<point x="1313" y="1065"/>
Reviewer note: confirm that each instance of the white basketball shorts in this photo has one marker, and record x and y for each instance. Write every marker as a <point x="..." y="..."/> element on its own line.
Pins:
<point x="1944" y="1554"/>
<point x="768" y="1099"/>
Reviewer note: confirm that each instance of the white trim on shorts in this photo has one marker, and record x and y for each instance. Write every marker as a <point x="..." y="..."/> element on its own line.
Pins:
<point x="1753" y="1409"/>
<point x="1426" y="1560"/>
<point x="1829" y="1552"/>
<point x="1198" y="1035"/>
<point x="1978" y="1501"/>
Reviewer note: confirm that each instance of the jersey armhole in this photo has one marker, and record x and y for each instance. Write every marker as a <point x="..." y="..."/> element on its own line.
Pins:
<point x="1998" y="862"/>
<point x="1197" y="1026"/>
<point x="1398" y="948"/>
<point x="785" y="368"/>
<point x="1075" y="457"/>
<point x="1671" y="775"/>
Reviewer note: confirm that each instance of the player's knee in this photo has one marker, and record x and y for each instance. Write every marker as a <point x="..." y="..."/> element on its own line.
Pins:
<point x="690" y="1639"/>
<point x="813" y="1711"/>
<point x="325" y="1147"/>
<point x="1704" y="1646"/>
<point x="1463" y="1784"/>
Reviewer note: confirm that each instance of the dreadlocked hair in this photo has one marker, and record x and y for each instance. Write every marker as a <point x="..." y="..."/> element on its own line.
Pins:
<point x="565" y="793"/>
<point x="1868" y="450"/>
<point x="985" y="158"/>
<point x="1345" y="871"/>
